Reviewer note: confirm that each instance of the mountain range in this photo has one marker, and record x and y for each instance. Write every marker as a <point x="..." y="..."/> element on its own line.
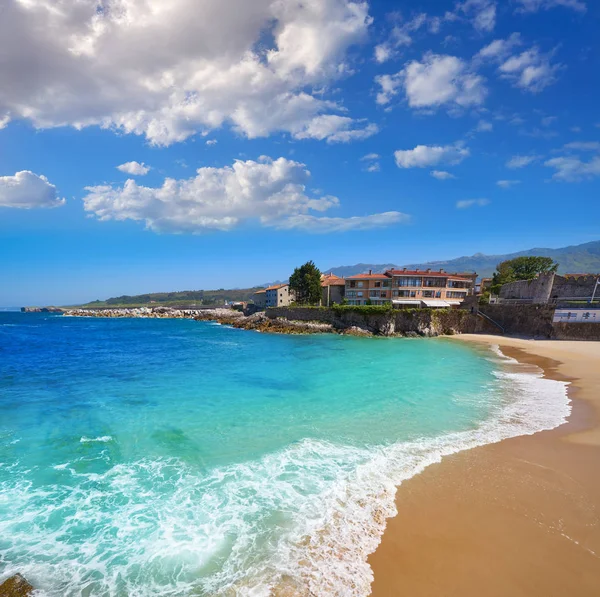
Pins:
<point x="583" y="258"/>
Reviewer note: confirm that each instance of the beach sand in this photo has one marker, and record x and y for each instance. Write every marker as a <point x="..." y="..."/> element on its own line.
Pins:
<point x="521" y="517"/>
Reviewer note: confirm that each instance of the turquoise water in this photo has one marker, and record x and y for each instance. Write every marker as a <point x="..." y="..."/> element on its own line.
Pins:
<point x="171" y="457"/>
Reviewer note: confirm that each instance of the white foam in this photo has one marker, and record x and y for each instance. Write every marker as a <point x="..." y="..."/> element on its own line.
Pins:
<point x="103" y="438"/>
<point x="305" y="518"/>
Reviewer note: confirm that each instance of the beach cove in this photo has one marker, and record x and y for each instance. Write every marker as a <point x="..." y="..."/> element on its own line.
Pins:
<point x="521" y="517"/>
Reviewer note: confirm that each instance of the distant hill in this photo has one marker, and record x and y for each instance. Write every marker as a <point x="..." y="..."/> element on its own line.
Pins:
<point x="184" y="298"/>
<point x="583" y="258"/>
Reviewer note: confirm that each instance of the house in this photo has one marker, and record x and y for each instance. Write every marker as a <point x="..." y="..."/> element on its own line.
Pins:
<point x="369" y="288"/>
<point x="410" y="288"/>
<point x="333" y="289"/>
<point x="260" y="298"/>
<point x="279" y="295"/>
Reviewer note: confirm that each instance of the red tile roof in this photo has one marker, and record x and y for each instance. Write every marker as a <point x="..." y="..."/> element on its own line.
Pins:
<point x="276" y="287"/>
<point x="368" y="277"/>
<point x="331" y="280"/>
<point x="425" y="274"/>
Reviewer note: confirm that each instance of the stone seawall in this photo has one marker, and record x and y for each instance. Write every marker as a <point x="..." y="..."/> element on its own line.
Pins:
<point x="536" y="321"/>
<point x="518" y="320"/>
<point x="381" y="322"/>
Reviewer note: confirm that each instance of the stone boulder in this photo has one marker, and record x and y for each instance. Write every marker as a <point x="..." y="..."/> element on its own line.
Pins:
<point x="15" y="586"/>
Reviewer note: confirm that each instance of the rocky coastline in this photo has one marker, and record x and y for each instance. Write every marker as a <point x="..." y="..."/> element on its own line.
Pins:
<point x="304" y="321"/>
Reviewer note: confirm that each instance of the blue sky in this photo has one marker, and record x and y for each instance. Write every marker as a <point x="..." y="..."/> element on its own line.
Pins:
<point x="331" y="130"/>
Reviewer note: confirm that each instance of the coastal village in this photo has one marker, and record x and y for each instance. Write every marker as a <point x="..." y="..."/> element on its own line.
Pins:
<point x="399" y="288"/>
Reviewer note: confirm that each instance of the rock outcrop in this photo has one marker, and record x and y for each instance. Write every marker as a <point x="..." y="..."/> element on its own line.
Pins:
<point x="16" y="586"/>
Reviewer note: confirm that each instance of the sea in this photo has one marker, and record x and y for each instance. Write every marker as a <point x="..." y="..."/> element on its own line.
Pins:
<point x="175" y="458"/>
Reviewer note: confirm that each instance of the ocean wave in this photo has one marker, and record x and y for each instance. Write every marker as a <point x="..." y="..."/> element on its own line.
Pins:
<point x="102" y="438"/>
<point x="299" y="521"/>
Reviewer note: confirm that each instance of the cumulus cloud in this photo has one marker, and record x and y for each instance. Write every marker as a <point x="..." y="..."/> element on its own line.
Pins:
<point x="423" y="156"/>
<point x="574" y="169"/>
<point x="26" y="190"/>
<point x="442" y="175"/>
<point x="437" y="80"/>
<point x="134" y="168"/>
<point x="531" y="70"/>
<point x="535" y="5"/>
<point x="465" y="203"/>
<point x="211" y="142"/>
<point x="482" y="13"/>
<point x="335" y="129"/>
<point x="372" y="163"/>
<point x="484" y="126"/>
<point x="400" y="35"/>
<point x="583" y="146"/>
<point x="272" y="192"/>
<point x="520" y="161"/>
<point x="168" y="70"/>
<point x="499" y="48"/>
<point x="506" y="184"/>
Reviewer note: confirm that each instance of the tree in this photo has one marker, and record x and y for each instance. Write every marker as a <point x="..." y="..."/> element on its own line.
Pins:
<point x="306" y="283"/>
<point x="521" y="268"/>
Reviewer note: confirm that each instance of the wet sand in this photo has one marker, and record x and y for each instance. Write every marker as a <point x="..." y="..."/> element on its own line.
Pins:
<point x="517" y="518"/>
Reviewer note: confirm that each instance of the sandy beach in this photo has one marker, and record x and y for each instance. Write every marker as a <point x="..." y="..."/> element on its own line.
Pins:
<point x="518" y="518"/>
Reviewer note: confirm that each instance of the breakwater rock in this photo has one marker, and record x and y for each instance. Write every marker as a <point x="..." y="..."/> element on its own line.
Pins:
<point x="42" y="310"/>
<point x="16" y="586"/>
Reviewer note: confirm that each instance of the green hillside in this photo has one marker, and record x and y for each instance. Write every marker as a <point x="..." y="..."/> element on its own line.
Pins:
<point x="184" y="298"/>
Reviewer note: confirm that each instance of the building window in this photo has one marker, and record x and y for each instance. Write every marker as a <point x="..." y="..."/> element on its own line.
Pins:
<point x="360" y="284"/>
<point x="407" y="281"/>
<point x="451" y="294"/>
<point x="377" y="284"/>
<point x="359" y="294"/>
<point x="427" y="293"/>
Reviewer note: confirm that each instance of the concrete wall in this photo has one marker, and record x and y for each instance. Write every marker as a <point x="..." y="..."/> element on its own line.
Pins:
<point x="335" y="294"/>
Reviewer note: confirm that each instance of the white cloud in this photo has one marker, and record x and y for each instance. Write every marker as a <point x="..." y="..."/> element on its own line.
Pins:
<point x="549" y="120"/>
<point x="465" y="203"/>
<point x="335" y="129"/>
<point x="423" y="156"/>
<point x="134" y="168"/>
<point x="583" y="145"/>
<point x="506" y="184"/>
<point x="520" y="161"/>
<point x="370" y="156"/>
<point x="575" y="129"/>
<point x="483" y="13"/>
<point x="535" y="5"/>
<point x="4" y="120"/>
<point x="442" y="175"/>
<point x="170" y="69"/>
<point x="270" y="191"/>
<point x="531" y="70"/>
<point x="375" y="167"/>
<point x="499" y="48"/>
<point x="573" y="169"/>
<point x="26" y="190"/>
<point x="483" y="126"/>
<point x="211" y="142"/>
<point x="324" y="225"/>
<point x="400" y="35"/>
<point x="435" y="81"/>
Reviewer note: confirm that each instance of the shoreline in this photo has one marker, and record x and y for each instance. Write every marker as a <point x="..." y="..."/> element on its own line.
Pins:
<point x="520" y="517"/>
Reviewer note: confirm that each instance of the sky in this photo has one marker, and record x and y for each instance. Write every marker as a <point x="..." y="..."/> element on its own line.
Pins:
<point x="163" y="145"/>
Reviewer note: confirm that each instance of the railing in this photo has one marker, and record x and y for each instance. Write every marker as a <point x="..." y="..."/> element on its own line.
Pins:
<point x="484" y="316"/>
